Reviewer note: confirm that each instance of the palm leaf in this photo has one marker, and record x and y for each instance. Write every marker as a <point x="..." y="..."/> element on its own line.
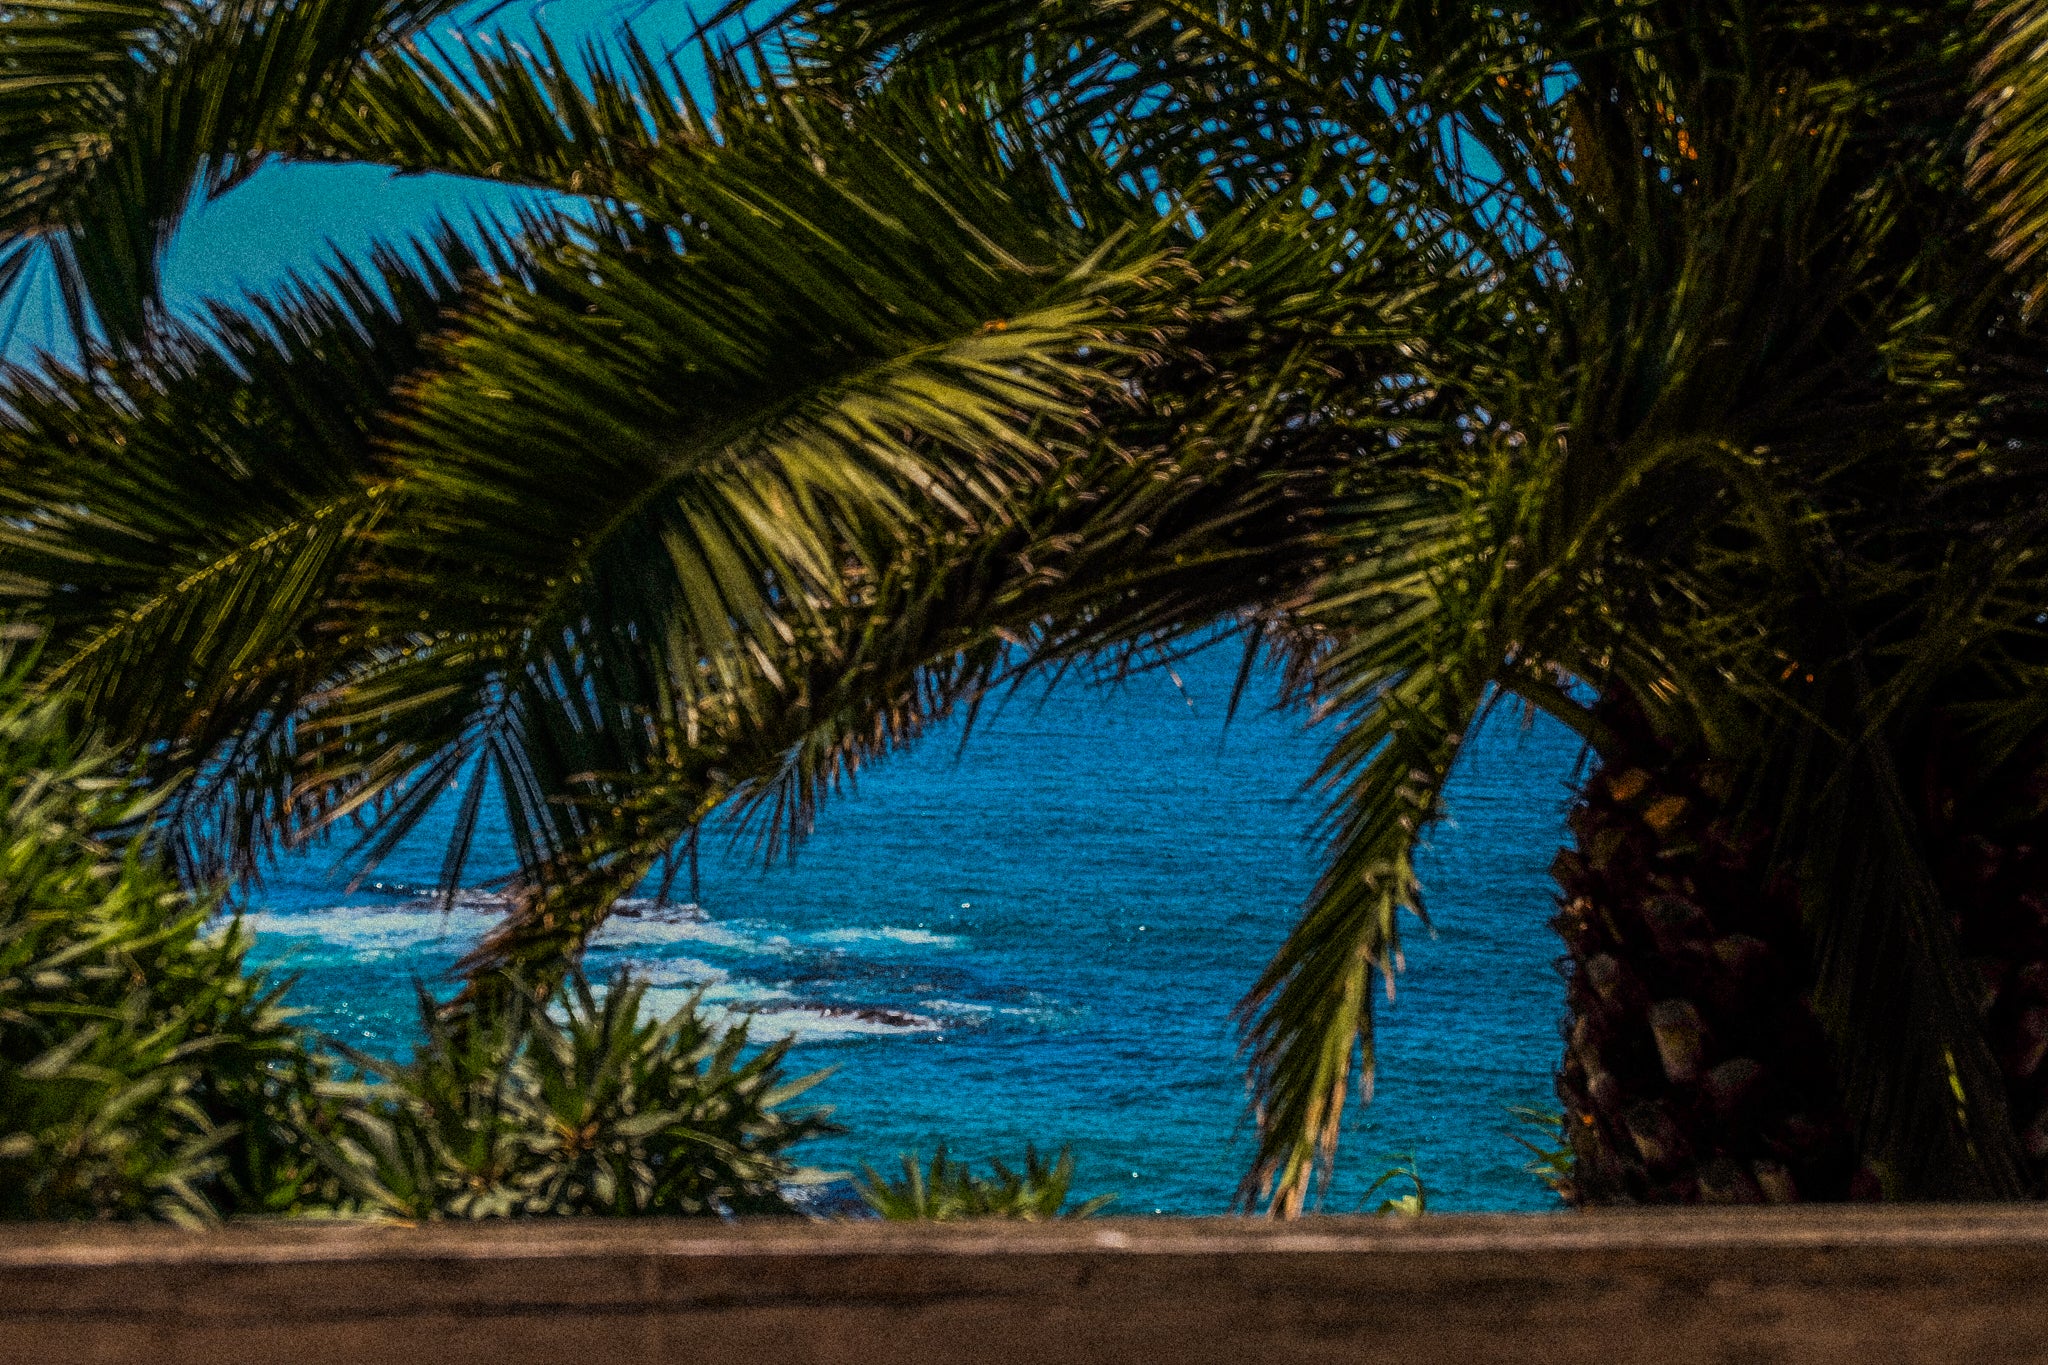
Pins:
<point x="2009" y="150"/>
<point x="113" y="115"/>
<point x="185" y="524"/>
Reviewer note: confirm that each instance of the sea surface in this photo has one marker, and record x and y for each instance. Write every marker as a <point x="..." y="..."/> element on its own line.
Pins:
<point x="1038" y="935"/>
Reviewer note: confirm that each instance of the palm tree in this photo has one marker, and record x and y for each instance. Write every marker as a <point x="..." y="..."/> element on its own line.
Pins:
<point x="850" y="360"/>
<point x="1744" y="424"/>
<point x="1638" y="362"/>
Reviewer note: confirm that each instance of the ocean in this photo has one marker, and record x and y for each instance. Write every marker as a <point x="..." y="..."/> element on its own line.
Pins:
<point x="1034" y="936"/>
<point x="1038" y="934"/>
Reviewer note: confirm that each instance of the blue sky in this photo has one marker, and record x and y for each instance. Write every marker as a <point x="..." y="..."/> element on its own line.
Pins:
<point x="295" y="218"/>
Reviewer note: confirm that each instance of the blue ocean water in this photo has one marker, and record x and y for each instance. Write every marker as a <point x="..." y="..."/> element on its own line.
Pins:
<point x="1039" y="936"/>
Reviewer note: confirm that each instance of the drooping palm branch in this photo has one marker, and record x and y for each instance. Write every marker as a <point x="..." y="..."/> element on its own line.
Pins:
<point x="1698" y="400"/>
<point x="115" y="114"/>
<point x="802" y="367"/>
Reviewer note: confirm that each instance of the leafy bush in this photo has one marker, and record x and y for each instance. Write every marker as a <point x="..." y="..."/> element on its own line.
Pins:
<point x="950" y="1190"/>
<point x="509" y="1110"/>
<point x="143" y="1071"/>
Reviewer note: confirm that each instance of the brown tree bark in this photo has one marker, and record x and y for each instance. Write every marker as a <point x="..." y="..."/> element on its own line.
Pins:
<point x="1695" y="1069"/>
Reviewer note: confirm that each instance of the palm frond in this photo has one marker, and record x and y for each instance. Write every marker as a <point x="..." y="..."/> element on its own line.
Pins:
<point x="1192" y="502"/>
<point x="186" y="522"/>
<point x="485" y="107"/>
<point x="1309" y="1014"/>
<point x="2009" y="150"/>
<point x="114" y="115"/>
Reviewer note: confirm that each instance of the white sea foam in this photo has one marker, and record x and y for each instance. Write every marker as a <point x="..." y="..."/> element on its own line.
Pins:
<point x="806" y="1022"/>
<point x="387" y="926"/>
<point x="721" y="999"/>
<point x="672" y="912"/>
<point x="922" y="938"/>
<point x="651" y="933"/>
<point x="382" y="932"/>
<point x="423" y="920"/>
<point x="772" y="1015"/>
<point x="678" y="971"/>
<point x="373" y="933"/>
<point x="969" y="1012"/>
<point x="741" y="994"/>
<point x="368" y="932"/>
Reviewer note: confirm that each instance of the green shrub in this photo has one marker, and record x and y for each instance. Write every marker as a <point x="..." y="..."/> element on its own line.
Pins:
<point x="143" y="1071"/>
<point x="514" y="1109"/>
<point x="950" y="1190"/>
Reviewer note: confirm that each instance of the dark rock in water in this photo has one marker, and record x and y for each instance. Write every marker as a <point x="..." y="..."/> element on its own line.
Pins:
<point x="665" y="912"/>
<point x="866" y="1014"/>
<point x="833" y="1199"/>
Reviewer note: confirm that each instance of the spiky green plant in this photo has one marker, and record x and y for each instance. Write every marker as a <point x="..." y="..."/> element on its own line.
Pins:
<point x="1550" y="1152"/>
<point x="144" y="1073"/>
<point x="1405" y="1173"/>
<point x="572" y="1105"/>
<point x="947" y="1191"/>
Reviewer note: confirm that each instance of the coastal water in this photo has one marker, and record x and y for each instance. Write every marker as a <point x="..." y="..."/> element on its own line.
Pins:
<point x="1039" y="936"/>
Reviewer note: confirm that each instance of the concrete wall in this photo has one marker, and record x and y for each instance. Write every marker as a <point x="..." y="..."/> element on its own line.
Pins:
<point x="1862" y="1285"/>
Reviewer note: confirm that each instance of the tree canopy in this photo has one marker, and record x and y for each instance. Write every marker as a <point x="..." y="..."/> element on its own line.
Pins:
<point x="1674" y="354"/>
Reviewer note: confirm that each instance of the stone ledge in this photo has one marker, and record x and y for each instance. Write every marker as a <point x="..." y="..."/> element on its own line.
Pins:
<point x="1804" y="1285"/>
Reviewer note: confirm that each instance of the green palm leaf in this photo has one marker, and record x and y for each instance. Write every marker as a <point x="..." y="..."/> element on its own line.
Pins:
<point x="2010" y="147"/>
<point x="114" y="114"/>
<point x="185" y="524"/>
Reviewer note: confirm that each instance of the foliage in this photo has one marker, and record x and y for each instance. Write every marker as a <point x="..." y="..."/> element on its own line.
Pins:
<point x="1711" y="437"/>
<point x="1413" y="1204"/>
<point x="754" y="582"/>
<point x="949" y="1191"/>
<point x="143" y="1072"/>
<point x="146" y="1073"/>
<point x="512" y="1111"/>
<point x="116" y="114"/>
<point x="1652" y="350"/>
<point x="2006" y="163"/>
<point x="1550" y="1150"/>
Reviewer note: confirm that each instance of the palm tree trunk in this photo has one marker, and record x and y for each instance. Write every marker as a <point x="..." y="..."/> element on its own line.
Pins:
<point x="1991" y="858"/>
<point x="1695" y="1070"/>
